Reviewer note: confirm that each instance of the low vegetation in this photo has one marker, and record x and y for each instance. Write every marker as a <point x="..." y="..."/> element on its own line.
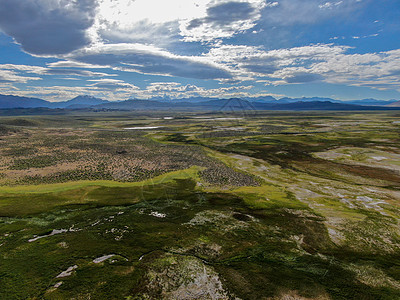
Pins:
<point x="284" y="206"/>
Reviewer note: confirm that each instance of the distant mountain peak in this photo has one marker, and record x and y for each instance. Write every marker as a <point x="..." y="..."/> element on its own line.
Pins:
<point x="85" y="97"/>
<point x="83" y="101"/>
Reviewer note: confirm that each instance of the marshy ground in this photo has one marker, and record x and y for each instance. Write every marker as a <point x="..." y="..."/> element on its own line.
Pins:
<point x="260" y="205"/>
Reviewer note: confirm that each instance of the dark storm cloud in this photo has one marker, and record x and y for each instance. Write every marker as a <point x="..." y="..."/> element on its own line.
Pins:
<point x="303" y="78"/>
<point x="45" y="27"/>
<point x="260" y="68"/>
<point x="224" y="14"/>
<point x="223" y="19"/>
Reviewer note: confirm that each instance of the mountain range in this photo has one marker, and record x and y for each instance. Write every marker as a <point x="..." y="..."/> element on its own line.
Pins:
<point x="201" y="103"/>
<point x="9" y="101"/>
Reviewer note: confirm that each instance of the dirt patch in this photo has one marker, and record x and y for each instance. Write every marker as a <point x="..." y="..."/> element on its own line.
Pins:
<point x="182" y="277"/>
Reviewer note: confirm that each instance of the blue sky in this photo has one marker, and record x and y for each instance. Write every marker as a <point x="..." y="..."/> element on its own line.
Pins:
<point x="343" y="49"/>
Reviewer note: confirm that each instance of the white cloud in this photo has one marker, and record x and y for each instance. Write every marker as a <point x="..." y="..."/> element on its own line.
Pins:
<point x="22" y="69"/>
<point x="7" y="88"/>
<point x="322" y="62"/>
<point x="47" y="27"/>
<point x="12" y="77"/>
<point x="126" y="13"/>
<point x="162" y="87"/>
<point x="62" y="93"/>
<point x="75" y="72"/>
<point x="177" y="90"/>
<point x="158" y="37"/>
<point x="150" y="60"/>
<point x="118" y="90"/>
<point x="272" y="4"/>
<point x="144" y="32"/>
<point x="192" y="20"/>
<point x="143" y="21"/>
<point x="112" y="84"/>
<point x="330" y="5"/>
<point x="73" y="64"/>
<point x="223" y="19"/>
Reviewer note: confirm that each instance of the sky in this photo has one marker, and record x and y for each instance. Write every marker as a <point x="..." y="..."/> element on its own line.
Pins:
<point x="121" y="49"/>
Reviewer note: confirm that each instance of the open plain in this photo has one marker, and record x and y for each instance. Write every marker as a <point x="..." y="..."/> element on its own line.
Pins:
<point x="239" y="205"/>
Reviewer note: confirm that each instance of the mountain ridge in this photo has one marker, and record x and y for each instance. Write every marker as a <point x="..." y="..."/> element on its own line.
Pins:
<point x="201" y="103"/>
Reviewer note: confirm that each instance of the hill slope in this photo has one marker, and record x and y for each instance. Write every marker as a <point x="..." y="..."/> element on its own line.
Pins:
<point x="394" y="104"/>
<point x="81" y="102"/>
<point x="9" y="101"/>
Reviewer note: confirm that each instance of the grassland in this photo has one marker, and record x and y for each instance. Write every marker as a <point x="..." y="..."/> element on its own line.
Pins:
<point x="249" y="205"/>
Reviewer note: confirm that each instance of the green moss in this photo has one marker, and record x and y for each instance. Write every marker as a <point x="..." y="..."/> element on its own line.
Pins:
<point x="267" y="197"/>
<point x="59" y="187"/>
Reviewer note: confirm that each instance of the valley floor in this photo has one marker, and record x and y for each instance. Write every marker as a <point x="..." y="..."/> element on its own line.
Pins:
<point x="243" y="205"/>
